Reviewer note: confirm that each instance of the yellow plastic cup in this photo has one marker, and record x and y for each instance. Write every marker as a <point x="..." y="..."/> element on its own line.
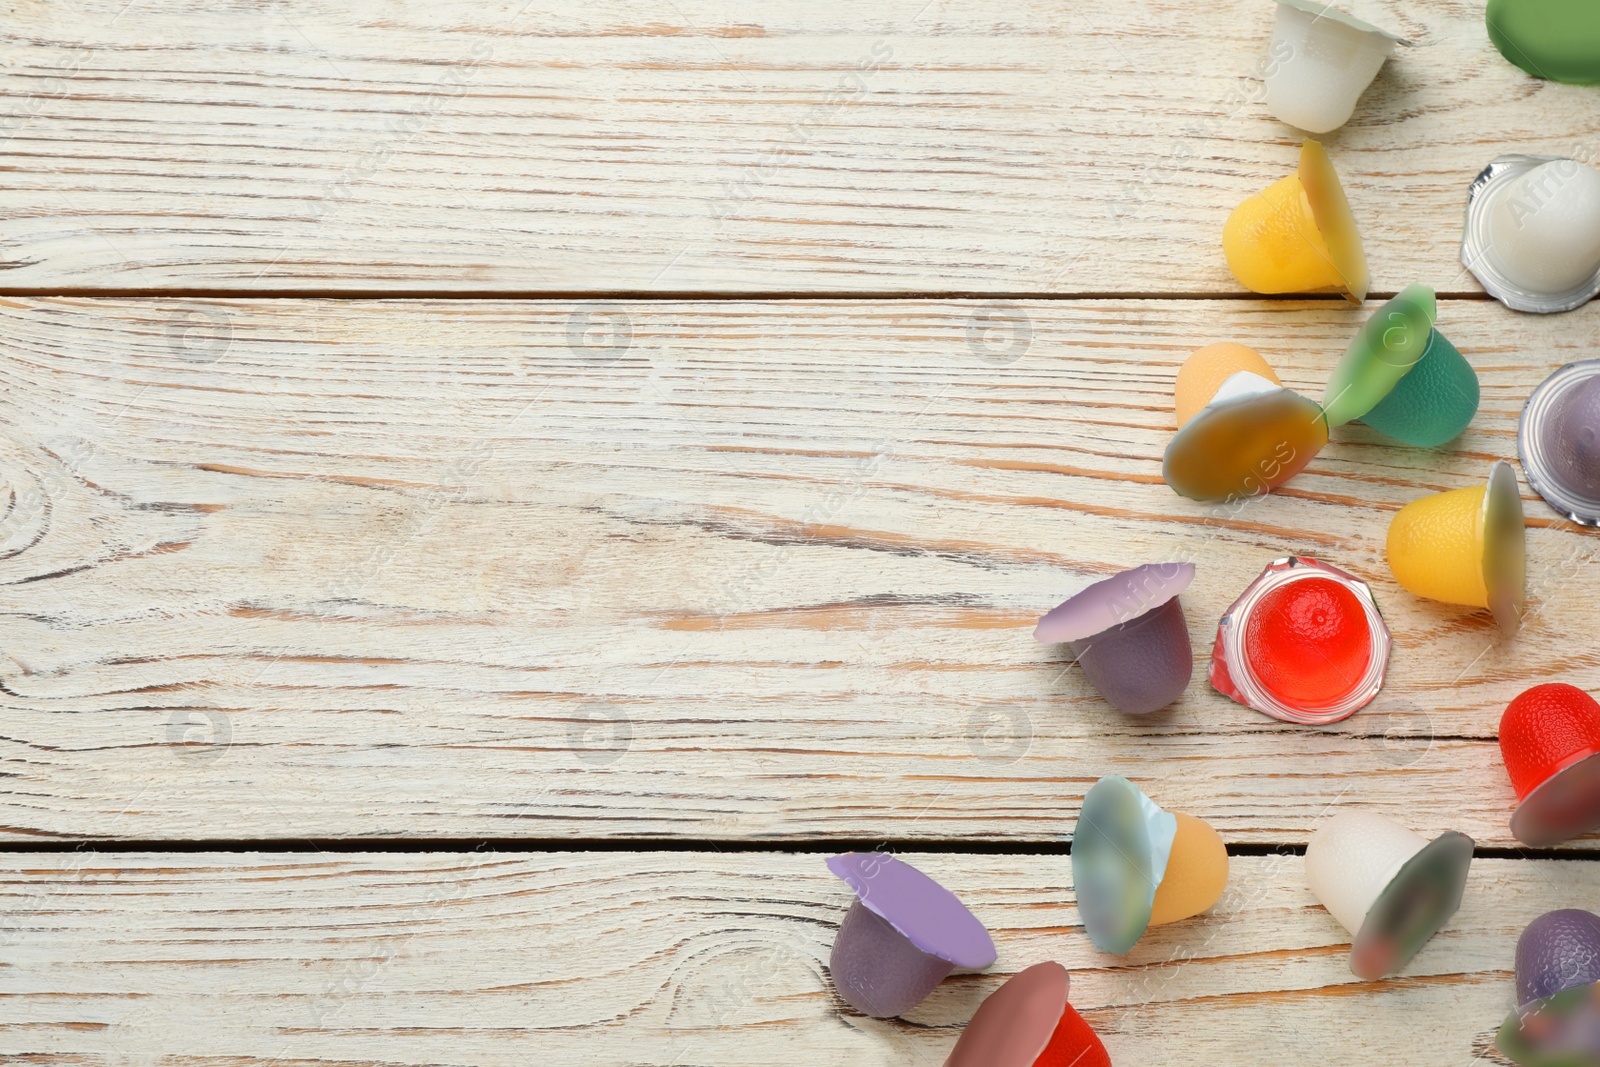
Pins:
<point x="1203" y="373"/>
<point x="1465" y="546"/>
<point x="1298" y="235"/>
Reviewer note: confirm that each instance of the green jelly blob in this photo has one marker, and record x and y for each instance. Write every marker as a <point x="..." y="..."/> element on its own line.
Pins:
<point x="1383" y="352"/>
<point x="1433" y="403"/>
<point x="1554" y="39"/>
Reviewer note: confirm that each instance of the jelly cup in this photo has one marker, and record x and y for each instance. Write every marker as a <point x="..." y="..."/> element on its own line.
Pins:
<point x="1028" y="1021"/>
<point x="1550" y="742"/>
<point x="1557" y="1021"/>
<point x="1390" y="887"/>
<point x="1559" y="441"/>
<point x="1322" y="61"/>
<point x="1533" y="232"/>
<point x="1129" y="635"/>
<point x="1297" y="235"/>
<point x="1304" y="643"/>
<point x="902" y="936"/>
<point x="1135" y="865"/>
<point x="1204" y="373"/>
<point x="1464" y="547"/>
<point x="1554" y="39"/>
<point x="1252" y="437"/>
<point x="1402" y="377"/>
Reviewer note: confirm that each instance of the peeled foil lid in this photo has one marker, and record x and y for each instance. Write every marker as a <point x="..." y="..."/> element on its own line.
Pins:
<point x="929" y="915"/>
<point x="1559" y="1031"/>
<point x="1561" y="807"/>
<point x="1385" y="349"/>
<point x="1505" y="563"/>
<point x="1325" y="11"/>
<point x="1538" y="466"/>
<point x="1015" y="1022"/>
<point x="1477" y="241"/>
<point x="1417" y="902"/>
<point x="1112" y="601"/>
<point x="1120" y="851"/>
<point x="1253" y="436"/>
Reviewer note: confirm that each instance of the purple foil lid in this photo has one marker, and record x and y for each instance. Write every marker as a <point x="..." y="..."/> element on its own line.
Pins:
<point x="1114" y="600"/>
<point x="927" y="913"/>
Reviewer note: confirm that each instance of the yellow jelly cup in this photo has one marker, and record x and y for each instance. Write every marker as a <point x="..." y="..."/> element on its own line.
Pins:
<point x="1465" y="547"/>
<point x="1203" y="373"/>
<point x="1197" y="872"/>
<point x="1298" y="235"/>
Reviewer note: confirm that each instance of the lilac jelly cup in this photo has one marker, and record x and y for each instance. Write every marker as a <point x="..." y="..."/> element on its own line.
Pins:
<point x="901" y="937"/>
<point x="1129" y="635"/>
<point x="1559" y="441"/>
<point x="1557" y="1020"/>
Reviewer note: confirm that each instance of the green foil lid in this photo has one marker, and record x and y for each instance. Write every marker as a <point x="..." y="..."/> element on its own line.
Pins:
<point x="1554" y="39"/>
<point x="1383" y="351"/>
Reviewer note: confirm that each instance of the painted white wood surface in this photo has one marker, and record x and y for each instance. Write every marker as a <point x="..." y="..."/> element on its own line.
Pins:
<point x="669" y="959"/>
<point x="706" y="570"/>
<point x="1028" y="146"/>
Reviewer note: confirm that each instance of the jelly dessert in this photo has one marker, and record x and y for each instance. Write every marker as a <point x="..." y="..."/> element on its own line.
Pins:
<point x="1135" y="866"/>
<point x="1554" y="39"/>
<point x="1303" y="643"/>
<point x="1402" y="377"/>
<point x="1251" y="437"/>
<point x="1533" y="232"/>
<point x="1129" y="635"/>
<point x="1322" y="61"/>
<point x="1557" y="1020"/>
<point x="1390" y="887"/>
<point x="1550" y="741"/>
<point x="1203" y="374"/>
<point x="1028" y="1023"/>
<point x="1297" y="235"/>
<point x="902" y="936"/>
<point x="1559" y="441"/>
<point x="1464" y="547"/>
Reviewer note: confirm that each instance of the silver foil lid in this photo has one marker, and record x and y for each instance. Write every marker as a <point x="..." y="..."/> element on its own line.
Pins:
<point x="1477" y="244"/>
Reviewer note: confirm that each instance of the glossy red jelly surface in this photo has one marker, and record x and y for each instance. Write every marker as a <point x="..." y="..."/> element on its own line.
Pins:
<point x="1309" y="642"/>
<point x="1547" y="729"/>
<point x="1074" y="1044"/>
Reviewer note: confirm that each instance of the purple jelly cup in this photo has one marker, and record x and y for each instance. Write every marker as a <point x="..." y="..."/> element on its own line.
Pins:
<point x="1557" y="1020"/>
<point x="1558" y="439"/>
<point x="1129" y="635"/>
<point x="902" y="936"/>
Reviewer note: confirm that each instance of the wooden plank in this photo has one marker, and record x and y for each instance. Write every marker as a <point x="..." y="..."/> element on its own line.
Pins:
<point x="685" y="958"/>
<point x="507" y="145"/>
<point x="464" y="569"/>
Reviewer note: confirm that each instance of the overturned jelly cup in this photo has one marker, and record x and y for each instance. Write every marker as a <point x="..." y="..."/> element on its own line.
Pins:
<point x="1465" y="547"/>
<point x="1550" y="742"/>
<point x="1402" y="377"/>
<point x="1135" y="865"/>
<point x="1251" y="437"/>
<point x="1027" y="1022"/>
<point x="1390" y="887"/>
<point x="1322" y="61"/>
<point x="1558" y="440"/>
<point x="902" y="936"/>
<point x="1533" y="232"/>
<point x="1557" y="1020"/>
<point x="1298" y="235"/>
<point x="1129" y="635"/>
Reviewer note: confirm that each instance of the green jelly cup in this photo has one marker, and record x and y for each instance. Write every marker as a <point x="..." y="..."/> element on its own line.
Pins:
<point x="1433" y="403"/>
<point x="1402" y="377"/>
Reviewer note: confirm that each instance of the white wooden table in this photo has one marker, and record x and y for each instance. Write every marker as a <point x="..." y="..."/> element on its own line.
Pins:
<point x="494" y="491"/>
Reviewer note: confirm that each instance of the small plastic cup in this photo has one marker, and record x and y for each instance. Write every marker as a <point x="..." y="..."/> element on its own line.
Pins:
<point x="1402" y="377"/>
<point x="1550" y="742"/>
<point x="1135" y="865"/>
<point x="1304" y="643"/>
<point x="1559" y="441"/>
<point x="1251" y="437"/>
<point x="1028" y="1021"/>
<point x="1391" y="888"/>
<point x="1465" y="547"/>
<point x="1298" y="235"/>
<point x="903" y="935"/>
<point x="1129" y="635"/>
<point x="1532" y="235"/>
<point x="1557" y="1021"/>
<point x="1204" y="373"/>
<point x="1322" y="61"/>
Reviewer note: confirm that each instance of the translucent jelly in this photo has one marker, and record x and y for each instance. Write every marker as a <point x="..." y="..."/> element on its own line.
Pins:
<point x="1309" y="642"/>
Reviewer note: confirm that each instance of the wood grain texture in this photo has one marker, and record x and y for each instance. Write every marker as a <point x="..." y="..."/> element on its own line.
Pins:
<point x="726" y="570"/>
<point x="1027" y="146"/>
<point x="686" y="958"/>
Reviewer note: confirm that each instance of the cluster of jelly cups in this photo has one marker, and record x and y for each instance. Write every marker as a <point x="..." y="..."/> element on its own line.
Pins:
<point x="1557" y="1019"/>
<point x="1391" y="888"/>
<point x="1135" y="865"/>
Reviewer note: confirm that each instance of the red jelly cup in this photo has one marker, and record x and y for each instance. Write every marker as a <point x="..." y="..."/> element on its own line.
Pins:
<point x="1550" y="741"/>
<point x="1304" y="643"/>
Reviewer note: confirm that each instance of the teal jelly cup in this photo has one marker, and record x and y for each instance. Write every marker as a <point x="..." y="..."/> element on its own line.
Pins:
<point x="1434" y="402"/>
